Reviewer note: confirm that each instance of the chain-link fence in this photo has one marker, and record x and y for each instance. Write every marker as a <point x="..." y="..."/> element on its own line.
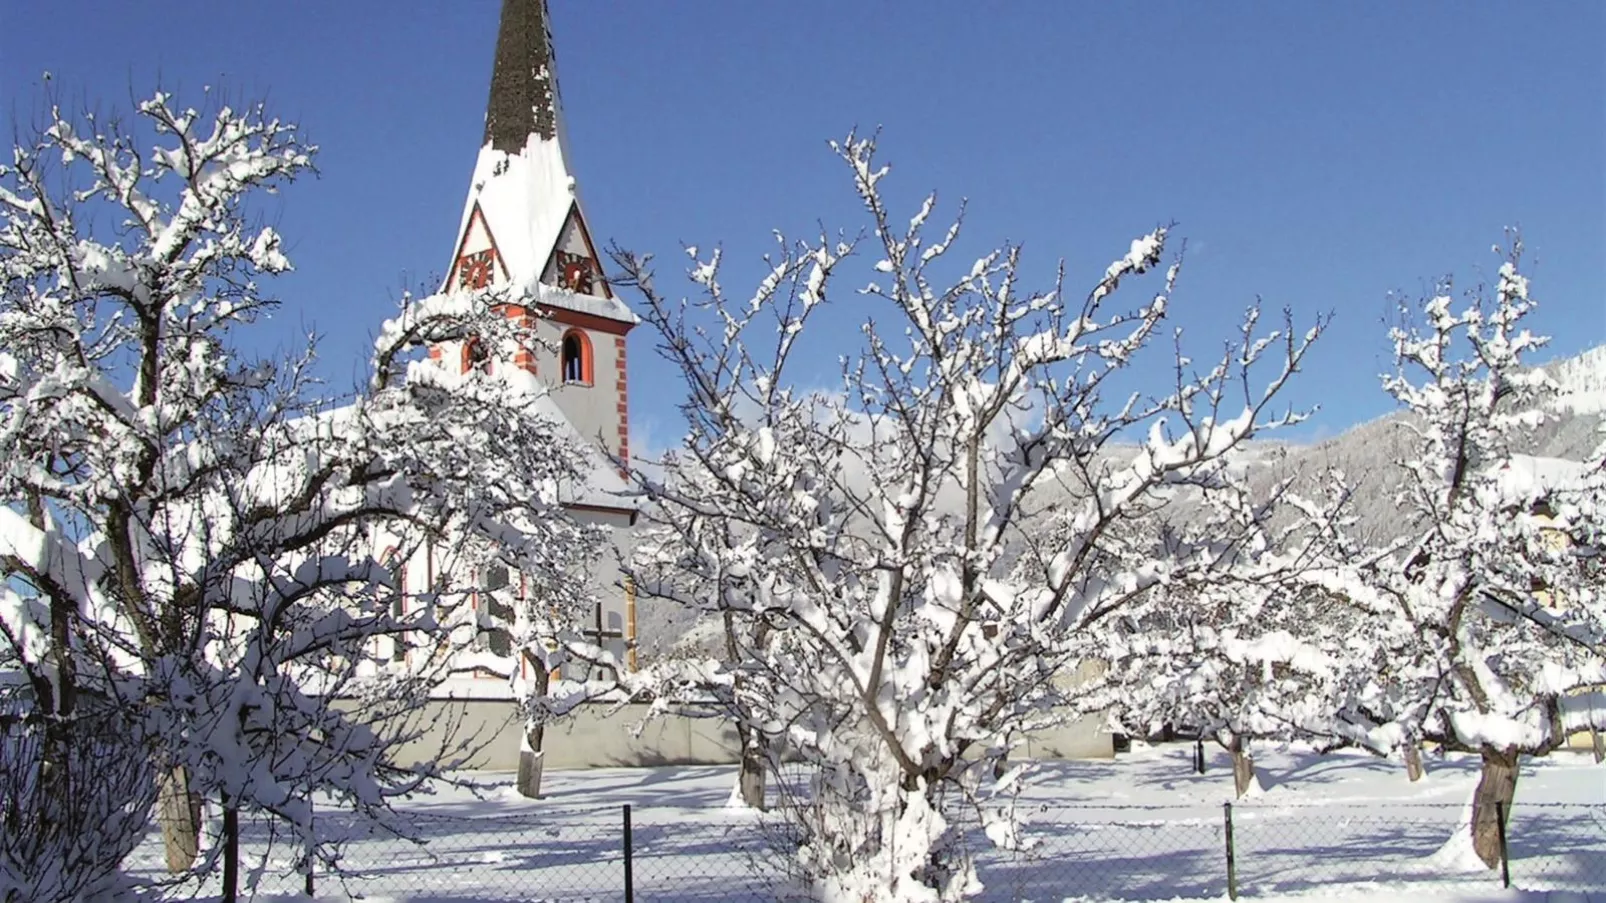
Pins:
<point x="1143" y="853"/>
<point x="1097" y="852"/>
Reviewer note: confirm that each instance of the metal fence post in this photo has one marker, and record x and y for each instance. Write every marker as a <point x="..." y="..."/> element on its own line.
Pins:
<point x="231" y="850"/>
<point x="630" y="871"/>
<point x="1505" y="858"/>
<point x="1232" y="860"/>
<point x="312" y="844"/>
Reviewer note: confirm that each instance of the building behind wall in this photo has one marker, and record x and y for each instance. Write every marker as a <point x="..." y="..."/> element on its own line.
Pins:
<point x="523" y="230"/>
<point x="523" y="234"/>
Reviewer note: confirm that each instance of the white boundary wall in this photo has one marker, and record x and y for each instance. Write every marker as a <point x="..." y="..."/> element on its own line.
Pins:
<point x="602" y="736"/>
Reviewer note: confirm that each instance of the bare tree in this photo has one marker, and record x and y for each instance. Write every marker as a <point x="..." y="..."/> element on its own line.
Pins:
<point x="1492" y="614"/>
<point x="895" y="535"/>
<point x="190" y="534"/>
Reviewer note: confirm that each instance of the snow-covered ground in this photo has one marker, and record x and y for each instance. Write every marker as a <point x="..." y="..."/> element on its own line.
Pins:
<point x="1339" y="827"/>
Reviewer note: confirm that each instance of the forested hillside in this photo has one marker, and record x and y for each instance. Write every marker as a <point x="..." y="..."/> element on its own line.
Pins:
<point x="1365" y="452"/>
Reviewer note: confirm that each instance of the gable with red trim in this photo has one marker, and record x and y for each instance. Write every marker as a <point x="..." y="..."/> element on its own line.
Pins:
<point x="478" y="262"/>
<point x="573" y="263"/>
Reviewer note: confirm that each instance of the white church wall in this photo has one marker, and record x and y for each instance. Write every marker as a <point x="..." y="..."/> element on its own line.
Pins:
<point x="594" y="736"/>
<point x="592" y="408"/>
<point x="1079" y="738"/>
<point x="420" y="567"/>
<point x="607" y="581"/>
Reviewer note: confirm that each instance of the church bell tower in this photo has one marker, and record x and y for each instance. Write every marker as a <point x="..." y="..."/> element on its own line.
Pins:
<point x="523" y="236"/>
<point x="523" y="229"/>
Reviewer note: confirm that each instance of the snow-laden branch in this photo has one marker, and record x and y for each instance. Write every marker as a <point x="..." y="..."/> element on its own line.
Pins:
<point x="196" y="541"/>
<point x="904" y="563"/>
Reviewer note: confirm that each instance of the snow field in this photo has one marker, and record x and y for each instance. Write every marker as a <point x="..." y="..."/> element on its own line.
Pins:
<point x="1343" y="826"/>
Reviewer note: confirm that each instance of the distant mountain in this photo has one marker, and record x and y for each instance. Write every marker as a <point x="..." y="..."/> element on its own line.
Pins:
<point x="1366" y="452"/>
<point x="1583" y="382"/>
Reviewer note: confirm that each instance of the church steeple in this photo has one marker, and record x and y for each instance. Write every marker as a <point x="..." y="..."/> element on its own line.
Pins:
<point x="524" y="237"/>
<point x="522" y="225"/>
<point x="522" y="247"/>
<point x="524" y="80"/>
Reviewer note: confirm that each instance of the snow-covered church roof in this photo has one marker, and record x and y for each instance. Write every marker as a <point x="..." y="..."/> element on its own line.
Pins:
<point x="1527" y="478"/>
<point x="599" y="484"/>
<point x="522" y="203"/>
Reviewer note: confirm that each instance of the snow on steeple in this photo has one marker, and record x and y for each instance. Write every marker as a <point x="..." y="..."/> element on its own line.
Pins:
<point x="522" y="225"/>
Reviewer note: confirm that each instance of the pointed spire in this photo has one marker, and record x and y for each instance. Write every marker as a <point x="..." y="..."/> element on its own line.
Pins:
<point x="522" y="223"/>
<point x="524" y="82"/>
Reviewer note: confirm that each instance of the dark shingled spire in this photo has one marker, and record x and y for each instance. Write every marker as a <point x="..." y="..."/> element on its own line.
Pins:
<point x="524" y="83"/>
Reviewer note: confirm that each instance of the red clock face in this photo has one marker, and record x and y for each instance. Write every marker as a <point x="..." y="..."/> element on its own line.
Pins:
<point x="474" y="270"/>
<point x="576" y="272"/>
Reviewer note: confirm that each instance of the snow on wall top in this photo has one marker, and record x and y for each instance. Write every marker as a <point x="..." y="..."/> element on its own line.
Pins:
<point x="547" y="295"/>
<point x="1528" y="477"/>
<point x="601" y="485"/>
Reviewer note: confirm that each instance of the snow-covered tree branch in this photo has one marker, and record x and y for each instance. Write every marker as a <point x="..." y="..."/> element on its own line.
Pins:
<point x="1493" y="613"/>
<point x="925" y="543"/>
<point x="194" y="538"/>
<point x="1259" y="657"/>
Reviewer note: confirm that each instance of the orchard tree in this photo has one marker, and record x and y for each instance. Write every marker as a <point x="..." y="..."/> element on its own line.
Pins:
<point x="1260" y="658"/>
<point x="672" y="568"/>
<point x="527" y="629"/>
<point x="888" y="534"/>
<point x="190" y="532"/>
<point x="514" y="569"/>
<point x="1494" y="611"/>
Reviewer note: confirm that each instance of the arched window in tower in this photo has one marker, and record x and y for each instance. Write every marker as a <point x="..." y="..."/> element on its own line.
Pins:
<point x="476" y="356"/>
<point x="396" y="602"/>
<point x="576" y="358"/>
<point x="494" y="583"/>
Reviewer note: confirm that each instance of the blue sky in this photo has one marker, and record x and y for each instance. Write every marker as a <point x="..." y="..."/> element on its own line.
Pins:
<point x="1315" y="155"/>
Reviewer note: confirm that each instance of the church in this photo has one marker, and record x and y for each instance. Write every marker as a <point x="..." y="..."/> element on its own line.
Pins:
<point x="523" y="230"/>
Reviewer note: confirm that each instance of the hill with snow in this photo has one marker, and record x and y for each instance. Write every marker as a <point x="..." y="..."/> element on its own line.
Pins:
<point x="1583" y="382"/>
<point x="1365" y="453"/>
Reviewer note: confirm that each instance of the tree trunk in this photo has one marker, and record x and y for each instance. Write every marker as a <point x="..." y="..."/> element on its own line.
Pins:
<point x="1243" y="772"/>
<point x="1599" y="743"/>
<point x="750" y="779"/>
<point x="180" y="818"/>
<point x="1496" y="784"/>
<point x="1413" y="762"/>
<point x="1243" y="767"/>
<point x="531" y="762"/>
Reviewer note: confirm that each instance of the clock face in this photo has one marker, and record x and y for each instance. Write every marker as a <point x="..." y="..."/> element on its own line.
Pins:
<point x="576" y="272"/>
<point x="474" y="270"/>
